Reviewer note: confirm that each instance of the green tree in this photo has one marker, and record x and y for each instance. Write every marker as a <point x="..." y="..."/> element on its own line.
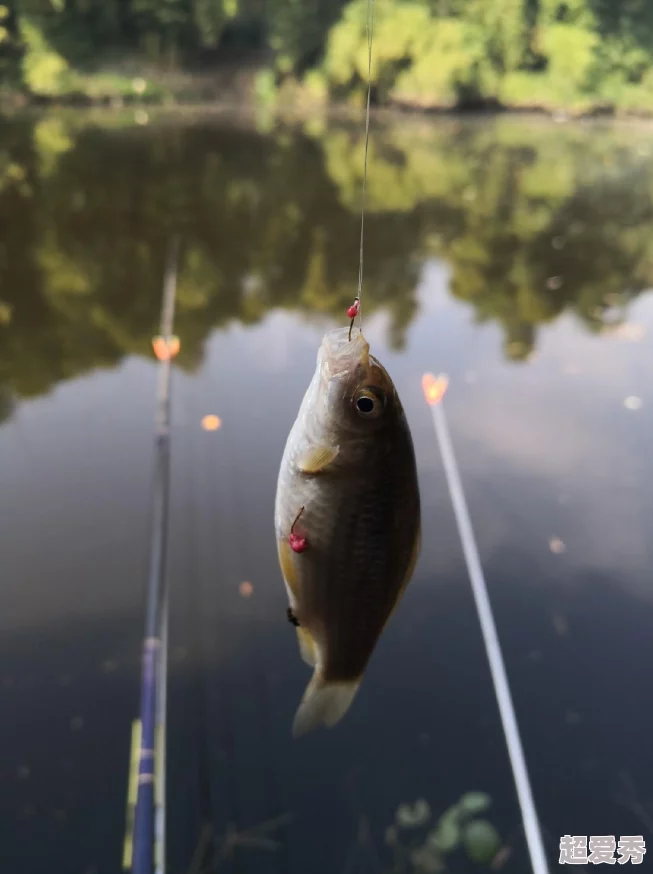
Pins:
<point x="298" y="31"/>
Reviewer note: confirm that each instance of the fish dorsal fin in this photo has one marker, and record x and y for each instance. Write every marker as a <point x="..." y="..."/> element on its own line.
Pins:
<point x="316" y="459"/>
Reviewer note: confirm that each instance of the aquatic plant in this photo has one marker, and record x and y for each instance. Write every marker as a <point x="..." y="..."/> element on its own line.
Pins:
<point x="422" y="844"/>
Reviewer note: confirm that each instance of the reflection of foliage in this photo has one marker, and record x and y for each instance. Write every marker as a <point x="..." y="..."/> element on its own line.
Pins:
<point x="459" y="828"/>
<point x="212" y="850"/>
<point x="51" y="140"/>
<point x="84" y="248"/>
<point x="533" y="220"/>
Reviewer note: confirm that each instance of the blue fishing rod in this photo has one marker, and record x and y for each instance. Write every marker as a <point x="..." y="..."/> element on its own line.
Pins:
<point x="145" y="846"/>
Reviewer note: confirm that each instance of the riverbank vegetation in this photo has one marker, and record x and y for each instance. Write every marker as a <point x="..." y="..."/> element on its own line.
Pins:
<point x="579" y="55"/>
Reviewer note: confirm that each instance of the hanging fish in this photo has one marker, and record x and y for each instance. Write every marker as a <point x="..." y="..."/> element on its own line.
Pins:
<point x="347" y="520"/>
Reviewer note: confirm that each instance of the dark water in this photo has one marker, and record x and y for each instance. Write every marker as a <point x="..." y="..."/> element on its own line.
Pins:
<point x="515" y="256"/>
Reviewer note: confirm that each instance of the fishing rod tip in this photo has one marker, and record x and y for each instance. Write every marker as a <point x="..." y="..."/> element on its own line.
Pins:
<point x="434" y="387"/>
<point x="165" y="349"/>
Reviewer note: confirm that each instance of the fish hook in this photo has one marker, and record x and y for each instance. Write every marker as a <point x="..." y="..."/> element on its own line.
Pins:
<point x="297" y="542"/>
<point x="352" y="312"/>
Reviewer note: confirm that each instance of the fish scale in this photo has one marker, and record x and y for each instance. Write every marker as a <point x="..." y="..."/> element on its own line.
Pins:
<point x="365" y="564"/>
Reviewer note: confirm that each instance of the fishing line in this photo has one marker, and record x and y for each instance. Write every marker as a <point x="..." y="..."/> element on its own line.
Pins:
<point x="491" y="641"/>
<point x="370" y="39"/>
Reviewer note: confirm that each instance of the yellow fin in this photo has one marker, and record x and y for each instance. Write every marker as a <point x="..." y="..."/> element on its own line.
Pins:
<point x="318" y="458"/>
<point x="287" y="564"/>
<point x="323" y="703"/>
<point x="307" y="646"/>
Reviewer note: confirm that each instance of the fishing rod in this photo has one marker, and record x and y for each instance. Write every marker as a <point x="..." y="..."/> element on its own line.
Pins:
<point x="434" y="390"/>
<point x="145" y="840"/>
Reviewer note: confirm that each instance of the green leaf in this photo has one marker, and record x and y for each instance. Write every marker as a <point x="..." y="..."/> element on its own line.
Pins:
<point x="427" y="861"/>
<point x="475" y="802"/>
<point x="446" y="835"/>
<point x="413" y="817"/>
<point x="481" y="841"/>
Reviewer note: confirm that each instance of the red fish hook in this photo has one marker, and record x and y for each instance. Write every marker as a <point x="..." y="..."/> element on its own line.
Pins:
<point x="297" y="542"/>
<point x="352" y="312"/>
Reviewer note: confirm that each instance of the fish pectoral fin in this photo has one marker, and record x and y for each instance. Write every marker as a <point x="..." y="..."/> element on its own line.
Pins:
<point x="307" y="646"/>
<point x="318" y="458"/>
<point x="323" y="702"/>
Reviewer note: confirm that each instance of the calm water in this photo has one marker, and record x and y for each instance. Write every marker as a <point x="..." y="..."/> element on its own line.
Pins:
<point x="515" y="256"/>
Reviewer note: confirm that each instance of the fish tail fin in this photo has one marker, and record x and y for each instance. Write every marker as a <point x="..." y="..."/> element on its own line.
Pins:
<point x="323" y="702"/>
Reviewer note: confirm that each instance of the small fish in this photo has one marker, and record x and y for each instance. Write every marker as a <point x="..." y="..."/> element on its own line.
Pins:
<point x="347" y="520"/>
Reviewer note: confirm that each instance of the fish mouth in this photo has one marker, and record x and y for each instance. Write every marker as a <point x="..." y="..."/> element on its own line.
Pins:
<point x="340" y="354"/>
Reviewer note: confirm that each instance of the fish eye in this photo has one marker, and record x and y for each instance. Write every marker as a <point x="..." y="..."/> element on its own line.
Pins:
<point x="370" y="402"/>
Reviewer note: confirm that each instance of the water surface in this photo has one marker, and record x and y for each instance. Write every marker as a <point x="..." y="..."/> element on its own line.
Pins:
<point x="517" y="256"/>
